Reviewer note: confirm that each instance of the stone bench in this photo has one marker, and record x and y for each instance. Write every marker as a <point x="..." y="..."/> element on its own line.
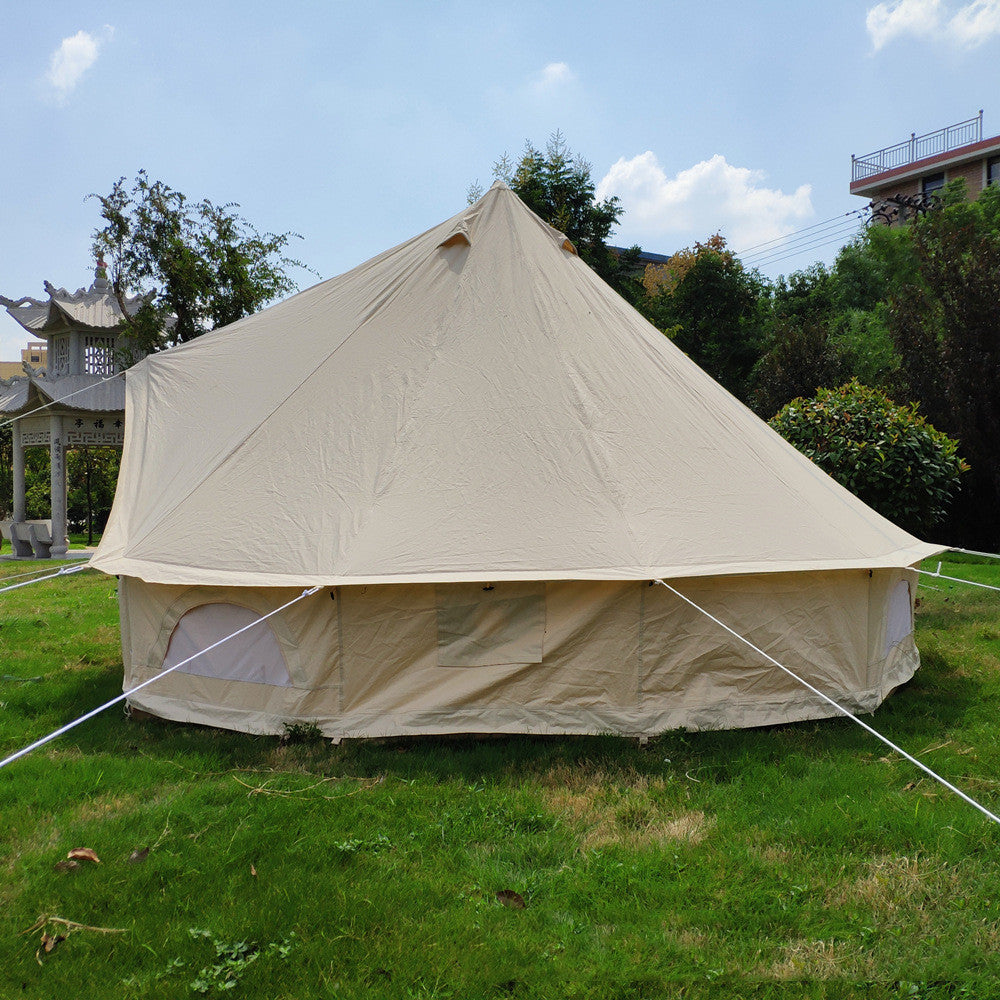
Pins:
<point x="28" y="538"/>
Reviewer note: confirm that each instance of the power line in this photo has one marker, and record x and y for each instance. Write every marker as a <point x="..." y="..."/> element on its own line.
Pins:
<point x="782" y="255"/>
<point x="816" y="225"/>
<point x="844" y="226"/>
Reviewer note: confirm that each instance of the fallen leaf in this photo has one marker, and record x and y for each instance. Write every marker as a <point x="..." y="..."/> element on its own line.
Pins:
<point x="253" y="871"/>
<point x="909" y="786"/>
<point x="138" y="856"/>
<point x="49" y="941"/>
<point x="66" y="866"/>
<point x="84" y="854"/>
<point x="512" y="899"/>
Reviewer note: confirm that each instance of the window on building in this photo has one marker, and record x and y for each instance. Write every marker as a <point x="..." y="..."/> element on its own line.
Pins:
<point x="993" y="171"/>
<point x="932" y="183"/>
<point x="99" y="355"/>
<point x="61" y="349"/>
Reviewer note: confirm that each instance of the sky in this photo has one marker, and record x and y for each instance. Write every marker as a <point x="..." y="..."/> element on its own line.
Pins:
<point x="358" y="126"/>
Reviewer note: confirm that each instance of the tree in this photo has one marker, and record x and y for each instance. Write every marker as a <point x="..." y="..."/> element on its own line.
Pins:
<point x="884" y="452"/>
<point x="801" y="357"/>
<point x="197" y="264"/>
<point x="712" y="307"/>
<point x="944" y="321"/>
<point x="556" y="185"/>
<point x="93" y="475"/>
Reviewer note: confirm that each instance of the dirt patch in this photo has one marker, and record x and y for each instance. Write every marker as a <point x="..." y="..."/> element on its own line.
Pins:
<point x="894" y="885"/>
<point x="774" y="854"/>
<point x="803" y="959"/>
<point x="105" y="806"/>
<point x="627" y="809"/>
<point x="692" y="938"/>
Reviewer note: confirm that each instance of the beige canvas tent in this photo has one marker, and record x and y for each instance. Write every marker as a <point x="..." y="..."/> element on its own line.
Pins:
<point x="483" y="456"/>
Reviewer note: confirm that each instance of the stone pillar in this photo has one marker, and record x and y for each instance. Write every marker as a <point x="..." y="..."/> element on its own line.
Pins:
<point x="57" y="453"/>
<point x="18" y="463"/>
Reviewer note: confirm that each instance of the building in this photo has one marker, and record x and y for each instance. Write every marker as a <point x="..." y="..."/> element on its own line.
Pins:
<point x="34" y="356"/>
<point x="75" y="401"/>
<point x="901" y="180"/>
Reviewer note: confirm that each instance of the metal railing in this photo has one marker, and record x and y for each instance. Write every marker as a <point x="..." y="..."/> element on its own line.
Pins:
<point x="917" y="147"/>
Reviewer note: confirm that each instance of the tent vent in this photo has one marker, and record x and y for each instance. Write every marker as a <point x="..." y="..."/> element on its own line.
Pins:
<point x="569" y="248"/>
<point x="457" y="239"/>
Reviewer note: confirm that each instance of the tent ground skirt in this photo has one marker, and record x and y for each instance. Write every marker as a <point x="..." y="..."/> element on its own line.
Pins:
<point x="542" y="657"/>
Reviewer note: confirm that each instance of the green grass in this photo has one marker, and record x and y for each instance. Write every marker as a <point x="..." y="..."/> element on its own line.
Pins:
<point x="801" y="861"/>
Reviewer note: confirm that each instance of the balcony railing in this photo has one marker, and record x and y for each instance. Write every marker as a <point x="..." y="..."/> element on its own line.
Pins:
<point x="917" y="147"/>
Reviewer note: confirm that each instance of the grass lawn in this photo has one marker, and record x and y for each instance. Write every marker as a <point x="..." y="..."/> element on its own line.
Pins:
<point x="801" y="861"/>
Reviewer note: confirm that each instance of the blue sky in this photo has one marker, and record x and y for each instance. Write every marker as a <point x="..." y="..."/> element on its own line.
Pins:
<point x="359" y="125"/>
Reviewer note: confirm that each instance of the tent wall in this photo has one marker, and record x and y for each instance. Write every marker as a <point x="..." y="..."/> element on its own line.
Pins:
<point x="535" y="657"/>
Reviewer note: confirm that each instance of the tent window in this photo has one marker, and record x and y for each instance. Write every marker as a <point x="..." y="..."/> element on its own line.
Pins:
<point x="479" y="627"/>
<point x="899" y="622"/>
<point x="253" y="657"/>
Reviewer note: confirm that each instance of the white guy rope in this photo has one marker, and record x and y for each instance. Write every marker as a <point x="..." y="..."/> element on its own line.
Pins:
<point x="61" y="399"/>
<point x="839" y="708"/>
<point x="955" y="579"/>
<point x="127" y="694"/>
<point x="973" y="552"/>
<point x="35" y="572"/>
<point x="65" y="571"/>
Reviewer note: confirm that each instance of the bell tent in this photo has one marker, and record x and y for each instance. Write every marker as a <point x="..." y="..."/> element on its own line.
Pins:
<point x="483" y="456"/>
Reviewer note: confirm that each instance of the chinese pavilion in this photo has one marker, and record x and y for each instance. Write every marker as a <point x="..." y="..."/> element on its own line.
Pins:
<point x="78" y="400"/>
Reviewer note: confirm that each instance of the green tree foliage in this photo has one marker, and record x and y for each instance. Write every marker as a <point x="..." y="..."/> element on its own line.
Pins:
<point x="198" y="265"/>
<point x="945" y="322"/>
<point x="712" y="307"/>
<point x="884" y="452"/>
<point x="556" y="184"/>
<point x="92" y="474"/>
<point x="801" y="357"/>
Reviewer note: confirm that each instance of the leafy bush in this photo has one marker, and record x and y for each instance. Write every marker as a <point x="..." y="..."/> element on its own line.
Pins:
<point x="884" y="452"/>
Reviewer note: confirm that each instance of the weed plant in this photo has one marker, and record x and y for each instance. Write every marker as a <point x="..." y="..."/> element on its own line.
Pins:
<point x="793" y="861"/>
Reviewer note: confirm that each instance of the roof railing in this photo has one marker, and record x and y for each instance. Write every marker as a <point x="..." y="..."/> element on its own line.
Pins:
<point x="917" y="147"/>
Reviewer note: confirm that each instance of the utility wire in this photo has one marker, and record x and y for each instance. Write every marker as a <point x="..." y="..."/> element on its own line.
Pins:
<point x="817" y="225"/>
<point x="839" y="241"/>
<point x="822" y="239"/>
<point x="818" y="236"/>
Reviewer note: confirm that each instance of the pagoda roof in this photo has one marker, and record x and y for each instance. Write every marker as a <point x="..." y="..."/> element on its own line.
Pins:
<point x="101" y="394"/>
<point x="93" y="308"/>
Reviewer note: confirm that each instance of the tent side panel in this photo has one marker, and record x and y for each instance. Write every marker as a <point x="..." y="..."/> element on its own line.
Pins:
<point x="571" y="657"/>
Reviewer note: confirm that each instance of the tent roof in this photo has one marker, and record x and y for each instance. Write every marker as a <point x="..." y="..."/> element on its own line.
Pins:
<point x="474" y="404"/>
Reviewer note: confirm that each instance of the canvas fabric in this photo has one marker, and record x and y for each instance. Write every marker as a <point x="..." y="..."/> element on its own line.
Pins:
<point x="552" y="657"/>
<point x="474" y="405"/>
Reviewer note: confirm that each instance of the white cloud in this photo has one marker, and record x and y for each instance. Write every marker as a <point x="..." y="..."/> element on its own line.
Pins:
<point x="712" y="196"/>
<point x="969" y="25"/>
<point x="556" y="74"/>
<point x="75" y="55"/>
<point x="886" y="21"/>
<point x="975" y="23"/>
